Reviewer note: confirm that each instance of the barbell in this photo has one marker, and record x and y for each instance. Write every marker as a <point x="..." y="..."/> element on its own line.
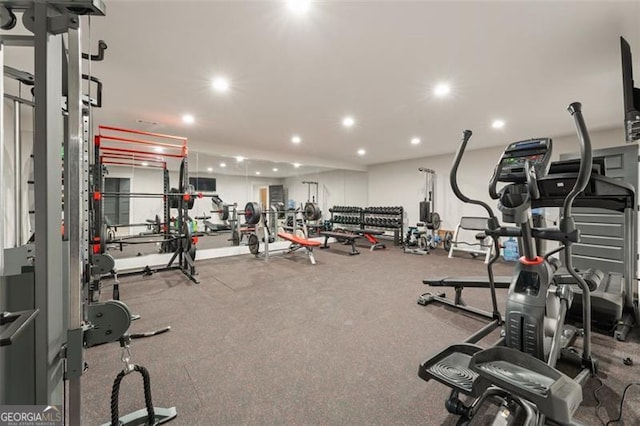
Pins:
<point x="253" y="212"/>
<point x="173" y="196"/>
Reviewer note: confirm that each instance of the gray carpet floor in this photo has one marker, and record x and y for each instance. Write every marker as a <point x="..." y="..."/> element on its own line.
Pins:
<point x="285" y="342"/>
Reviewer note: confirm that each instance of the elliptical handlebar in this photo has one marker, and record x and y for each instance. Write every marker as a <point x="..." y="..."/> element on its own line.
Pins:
<point x="586" y="158"/>
<point x="567" y="224"/>
<point x="453" y="176"/>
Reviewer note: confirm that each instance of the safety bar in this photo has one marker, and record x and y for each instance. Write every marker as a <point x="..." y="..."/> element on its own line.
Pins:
<point x="453" y="176"/>
<point x="116" y="155"/>
<point x="19" y="321"/>
<point x="139" y="152"/>
<point x="133" y="163"/>
<point x="127" y="159"/>
<point x="140" y="132"/>
<point x="169" y="146"/>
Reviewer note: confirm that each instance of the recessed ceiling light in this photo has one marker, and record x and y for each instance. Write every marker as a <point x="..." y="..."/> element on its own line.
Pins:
<point x="144" y="163"/>
<point x="348" y="122"/>
<point x="296" y="139"/>
<point x="239" y="159"/>
<point x="209" y="169"/>
<point x="275" y="169"/>
<point x="497" y="124"/>
<point x="296" y="165"/>
<point x="188" y="119"/>
<point x="257" y="173"/>
<point x="299" y="7"/>
<point x="220" y="84"/>
<point x="223" y="164"/>
<point x="441" y="90"/>
<point x="415" y="141"/>
<point x="361" y="152"/>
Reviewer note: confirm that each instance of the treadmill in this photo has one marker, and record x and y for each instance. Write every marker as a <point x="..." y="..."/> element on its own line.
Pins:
<point x="612" y="302"/>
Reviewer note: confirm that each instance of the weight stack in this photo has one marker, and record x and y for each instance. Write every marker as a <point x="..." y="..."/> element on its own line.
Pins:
<point x="424" y="211"/>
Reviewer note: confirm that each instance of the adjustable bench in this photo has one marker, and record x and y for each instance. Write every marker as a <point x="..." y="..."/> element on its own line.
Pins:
<point x="300" y="243"/>
<point x="347" y="237"/>
<point x="370" y="235"/>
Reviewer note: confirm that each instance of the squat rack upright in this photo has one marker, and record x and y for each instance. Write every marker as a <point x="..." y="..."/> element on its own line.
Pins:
<point x="136" y="148"/>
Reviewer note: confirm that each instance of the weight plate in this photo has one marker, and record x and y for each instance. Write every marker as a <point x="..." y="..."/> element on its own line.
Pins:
<point x="312" y="211"/>
<point x="446" y="244"/>
<point x="235" y="238"/>
<point x="174" y="200"/>
<point x="224" y="213"/>
<point x="435" y="221"/>
<point x="254" y="244"/>
<point x="103" y="264"/>
<point x="252" y="213"/>
<point x="186" y="236"/>
<point x="169" y="246"/>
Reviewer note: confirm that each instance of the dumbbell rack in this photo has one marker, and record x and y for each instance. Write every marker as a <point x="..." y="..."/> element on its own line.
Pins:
<point x="385" y="218"/>
<point x="346" y="215"/>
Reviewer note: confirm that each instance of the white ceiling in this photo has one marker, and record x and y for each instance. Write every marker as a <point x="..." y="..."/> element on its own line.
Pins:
<point x="203" y="164"/>
<point x="521" y="61"/>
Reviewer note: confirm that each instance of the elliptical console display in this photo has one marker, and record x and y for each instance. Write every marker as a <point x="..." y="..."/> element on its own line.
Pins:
<point x="511" y="167"/>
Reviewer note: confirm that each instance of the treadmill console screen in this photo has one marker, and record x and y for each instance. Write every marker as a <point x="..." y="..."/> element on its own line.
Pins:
<point x="536" y="151"/>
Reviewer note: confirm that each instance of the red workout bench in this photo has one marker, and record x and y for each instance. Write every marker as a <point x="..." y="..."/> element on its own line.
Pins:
<point x="299" y="243"/>
<point x="370" y="235"/>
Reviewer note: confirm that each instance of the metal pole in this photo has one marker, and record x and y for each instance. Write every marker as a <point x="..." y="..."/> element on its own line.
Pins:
<point x="73" y="186"/>
<point x="17" y="182"/>
<point x="2" y="194"/>
<point x="48" y="135"/>
<point x="265" y="234"/>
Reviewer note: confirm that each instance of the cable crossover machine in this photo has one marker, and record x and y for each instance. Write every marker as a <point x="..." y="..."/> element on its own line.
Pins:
<point x="47" y="318"/>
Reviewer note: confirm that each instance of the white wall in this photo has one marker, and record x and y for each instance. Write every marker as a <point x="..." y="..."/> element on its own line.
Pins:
<point x="233" y="189"/>
<point x="336" y="187"/>
<point x="399" y="183"/>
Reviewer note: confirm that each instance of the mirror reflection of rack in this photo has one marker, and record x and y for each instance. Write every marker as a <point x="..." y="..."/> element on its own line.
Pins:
<point x="224" y="185"/>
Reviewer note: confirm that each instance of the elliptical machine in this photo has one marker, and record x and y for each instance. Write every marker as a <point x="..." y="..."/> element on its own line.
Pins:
<point x="520" y="368"/>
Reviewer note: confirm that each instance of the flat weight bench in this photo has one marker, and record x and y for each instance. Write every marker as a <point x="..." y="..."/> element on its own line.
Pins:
<point x="300" y="243"/>
<point x="347" y="237"/>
